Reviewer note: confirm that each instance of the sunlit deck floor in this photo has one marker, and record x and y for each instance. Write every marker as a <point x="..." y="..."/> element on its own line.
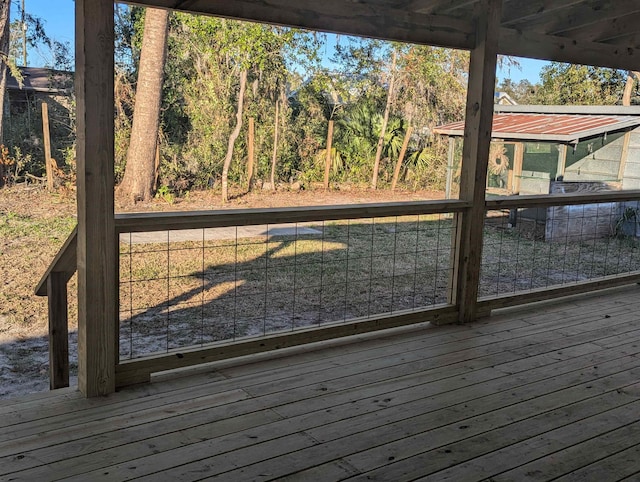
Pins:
<point x="535" y="394"/>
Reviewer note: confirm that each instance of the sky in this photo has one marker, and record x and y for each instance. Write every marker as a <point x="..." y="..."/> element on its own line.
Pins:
<point x="58" y="18"/>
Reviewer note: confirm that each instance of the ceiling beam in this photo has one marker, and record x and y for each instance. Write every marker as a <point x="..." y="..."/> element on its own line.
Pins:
<point x="439" y="6"/>
<point x="336" y="16"/>
<point x="590" y="14"/>
<point x="563" y="49"/>
<point x="516" y="12"/>
<point x="607" y="28"/>
<point x="630" y="40"/>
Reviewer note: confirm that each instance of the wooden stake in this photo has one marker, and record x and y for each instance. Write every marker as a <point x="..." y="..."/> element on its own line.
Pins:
<point x="47" y="145"/>
<point x="274" y="155"/>
<point x="327" y="162"/>
<point x="403" y="151"/>
<point x="251" y="153"/>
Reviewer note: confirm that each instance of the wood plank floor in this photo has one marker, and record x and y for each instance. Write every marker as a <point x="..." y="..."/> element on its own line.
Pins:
<point x="551" y="392"/>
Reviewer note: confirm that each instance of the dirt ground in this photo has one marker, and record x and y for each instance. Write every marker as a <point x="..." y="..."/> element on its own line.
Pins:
<point x="35" y="223"/>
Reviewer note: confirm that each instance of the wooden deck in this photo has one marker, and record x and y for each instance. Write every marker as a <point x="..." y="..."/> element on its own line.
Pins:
<point x="548" y="392"/>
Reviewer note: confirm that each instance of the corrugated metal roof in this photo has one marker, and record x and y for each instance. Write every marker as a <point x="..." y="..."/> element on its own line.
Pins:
<point x="548" y="127"/>
<point x="36" y="79"/>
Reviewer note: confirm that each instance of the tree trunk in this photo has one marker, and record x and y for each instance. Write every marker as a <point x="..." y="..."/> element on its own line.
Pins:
<point x="385" y="120"/>
<point x="274" y="155"/>
<point x="232" y="138"/>
<point x="628" y="87"/>
<point x="403" y="151"/>
<point x="139" y="175"/>
<point x="4" y="53"/>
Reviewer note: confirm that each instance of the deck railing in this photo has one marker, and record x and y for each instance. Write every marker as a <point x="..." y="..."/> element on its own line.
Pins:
<point x="542" y="247"/>
<point x="362" y="267"/>
<point x="197" y="287"/>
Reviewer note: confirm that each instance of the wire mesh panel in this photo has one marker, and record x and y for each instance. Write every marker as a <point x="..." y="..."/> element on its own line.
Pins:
<point x="526" y="249"/>
<point x="189" y="288"/>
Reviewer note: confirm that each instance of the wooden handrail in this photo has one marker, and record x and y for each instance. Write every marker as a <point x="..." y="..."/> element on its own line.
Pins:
<point x="546" y="200"/>
<point x="163" y="221"/>
<point x="54" y="285"/>
<point x="64" y="262"/>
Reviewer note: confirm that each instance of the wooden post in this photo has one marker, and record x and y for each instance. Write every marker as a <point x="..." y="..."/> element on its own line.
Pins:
<point x="47" y="146"/>
<point x="624" y="156"/>
<point x="518" y="157"/>
<point x="97" y="260"/>
<point x="58" y="330"/>
<point x="475" y="156"/>
<point x="251" y="153"/>
<point x="562" y="160"/>
<point x="327" y="162"/>
<point x="274" y="156"/>
<point x="450" y="163"/>
<point x="403" y="151"/>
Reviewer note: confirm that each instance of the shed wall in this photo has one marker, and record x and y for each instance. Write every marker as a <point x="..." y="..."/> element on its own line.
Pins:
<point x="631" y="178"/>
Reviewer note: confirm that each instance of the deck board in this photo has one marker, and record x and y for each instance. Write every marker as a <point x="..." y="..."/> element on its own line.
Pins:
<point x="528" y="394"/>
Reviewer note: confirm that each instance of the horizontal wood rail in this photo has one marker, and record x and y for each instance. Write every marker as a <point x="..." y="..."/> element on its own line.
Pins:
<point x="130" y="372"/>
<point x="163" y="221"/>
<point x="486" y="304"/>
<point x="546" y="200"/>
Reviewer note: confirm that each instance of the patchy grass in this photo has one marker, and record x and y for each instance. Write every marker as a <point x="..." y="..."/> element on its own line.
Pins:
<point x="30" y="235"/>
<point x="185" y="293"/>
<point x="520" y="259"/>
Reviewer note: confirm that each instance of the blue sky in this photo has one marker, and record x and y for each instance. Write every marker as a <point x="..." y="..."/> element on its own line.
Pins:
<point x="58" y="17"/>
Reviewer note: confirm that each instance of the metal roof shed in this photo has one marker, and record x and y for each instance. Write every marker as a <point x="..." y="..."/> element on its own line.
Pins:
<point x="533" y="145"/>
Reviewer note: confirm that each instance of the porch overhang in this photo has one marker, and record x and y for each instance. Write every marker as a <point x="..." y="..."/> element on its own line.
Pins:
<point x="594" y="32"/>
<point x="597" y="32"/>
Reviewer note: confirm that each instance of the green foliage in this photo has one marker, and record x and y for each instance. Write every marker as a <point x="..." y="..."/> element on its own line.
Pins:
<point x="523" y="92"/>
<point x="165" y="193"/>
<point x="580" y="85"/>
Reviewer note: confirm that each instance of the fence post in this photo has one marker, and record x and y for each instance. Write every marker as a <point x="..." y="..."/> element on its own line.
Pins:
<point x="47" y="145"/>
<point x="250" y="153"/>
<point x="327" y="162"/>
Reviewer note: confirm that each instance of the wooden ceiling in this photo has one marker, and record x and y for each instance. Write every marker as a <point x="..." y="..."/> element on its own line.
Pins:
<point x="593" y="32"/>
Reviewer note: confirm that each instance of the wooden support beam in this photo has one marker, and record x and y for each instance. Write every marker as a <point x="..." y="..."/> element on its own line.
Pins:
<point x="339" y="16"/>
<point x="450" y="164"/>
<point x="97" y="260"/>
<point x="518" y="157"/>
<point x="564" y="49"/>
<point x="624" y="156"/>
<point x="438" y="6"/>
<point x="58" y="330"/>
<point x="605" y="28"/>
<point x="562" y="160"/>
<point x="475" y="157"/>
